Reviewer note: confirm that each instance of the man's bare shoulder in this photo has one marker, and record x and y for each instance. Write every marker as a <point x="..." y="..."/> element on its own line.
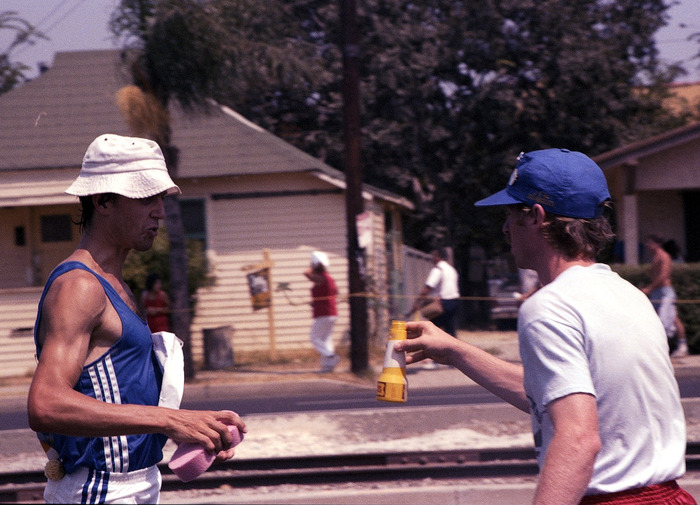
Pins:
<point x="74" y="306"/>
<point x="78" y="285"/>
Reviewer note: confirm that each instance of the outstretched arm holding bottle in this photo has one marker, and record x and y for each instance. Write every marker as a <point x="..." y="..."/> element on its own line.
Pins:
<point x="427" y="341"/>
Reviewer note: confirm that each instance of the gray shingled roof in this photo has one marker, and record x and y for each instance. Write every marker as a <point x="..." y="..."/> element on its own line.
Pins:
<point x="49" y="122"/>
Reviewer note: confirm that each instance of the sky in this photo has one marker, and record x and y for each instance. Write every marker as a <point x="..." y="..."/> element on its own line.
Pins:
<point x="82" y="24"/>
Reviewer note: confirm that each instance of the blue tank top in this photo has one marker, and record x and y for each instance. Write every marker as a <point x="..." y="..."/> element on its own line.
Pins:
<point x="128" y="373"/>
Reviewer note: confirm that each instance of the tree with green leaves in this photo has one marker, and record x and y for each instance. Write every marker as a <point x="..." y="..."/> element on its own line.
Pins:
<point x="13" y="73"/>
<point x="453" y="91"/>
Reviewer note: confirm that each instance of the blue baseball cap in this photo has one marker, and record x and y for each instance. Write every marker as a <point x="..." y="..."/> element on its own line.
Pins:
<point x="565" y="183"/>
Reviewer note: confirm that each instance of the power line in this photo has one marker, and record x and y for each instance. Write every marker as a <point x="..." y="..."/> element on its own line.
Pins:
<point x="51" y="13"/>
<point x="70" y="11"/>
<point x="59" y="3"/>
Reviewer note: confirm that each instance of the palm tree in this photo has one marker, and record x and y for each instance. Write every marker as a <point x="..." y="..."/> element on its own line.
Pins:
<point x="193" y="51"/>
<point x="161" y="42"/>
<point x="148" y="117"/>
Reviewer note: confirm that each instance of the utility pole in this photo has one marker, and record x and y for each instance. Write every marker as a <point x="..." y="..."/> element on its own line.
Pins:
<point x="359" y="356"/>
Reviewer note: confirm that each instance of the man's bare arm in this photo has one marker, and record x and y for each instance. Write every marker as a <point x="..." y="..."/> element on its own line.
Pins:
<point x="568" y="464"/>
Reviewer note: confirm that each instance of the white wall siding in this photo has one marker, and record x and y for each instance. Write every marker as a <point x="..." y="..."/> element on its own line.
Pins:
<point x="17" y="314"/>
<point x="289" y="227"/>
<point x="240" y="227"/>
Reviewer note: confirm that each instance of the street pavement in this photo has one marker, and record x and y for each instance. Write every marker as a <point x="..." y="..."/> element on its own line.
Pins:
<point x="403" y="428"/>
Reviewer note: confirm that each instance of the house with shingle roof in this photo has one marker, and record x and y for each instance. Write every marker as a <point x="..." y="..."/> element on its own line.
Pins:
<point x="246" y="193"/>
<point x="655" y="187"/>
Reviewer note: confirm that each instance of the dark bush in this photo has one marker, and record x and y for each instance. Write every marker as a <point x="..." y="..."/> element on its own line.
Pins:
<point x="139" y="264"/>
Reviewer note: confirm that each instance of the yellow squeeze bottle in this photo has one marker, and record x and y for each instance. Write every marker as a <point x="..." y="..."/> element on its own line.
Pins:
<point x="392" y="385"/>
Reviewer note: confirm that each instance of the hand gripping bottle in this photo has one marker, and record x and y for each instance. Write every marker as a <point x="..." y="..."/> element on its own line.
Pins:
<point x="392" y="385"/>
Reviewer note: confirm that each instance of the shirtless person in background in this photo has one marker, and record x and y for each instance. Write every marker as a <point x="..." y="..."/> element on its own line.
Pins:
<point x="660" y="290"/>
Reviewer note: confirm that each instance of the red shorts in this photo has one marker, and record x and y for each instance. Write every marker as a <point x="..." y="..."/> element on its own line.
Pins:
<point x="668" y="493"/>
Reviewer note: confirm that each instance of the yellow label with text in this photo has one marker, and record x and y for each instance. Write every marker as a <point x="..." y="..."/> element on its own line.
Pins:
<point x="392" y="386"/>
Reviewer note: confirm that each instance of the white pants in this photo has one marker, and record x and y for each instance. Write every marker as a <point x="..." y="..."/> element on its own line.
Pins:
<point x="321" y="330"/>
<point x="90" y="486"/>
<point x="664" y="301"/>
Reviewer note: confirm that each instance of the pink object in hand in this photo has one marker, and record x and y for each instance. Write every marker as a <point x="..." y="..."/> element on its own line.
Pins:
<point x="189" y="460"/>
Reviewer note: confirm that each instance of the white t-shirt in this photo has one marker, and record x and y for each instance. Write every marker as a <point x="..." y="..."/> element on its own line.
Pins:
<point x="590" y="331"/>
<point x="443" y="281"/>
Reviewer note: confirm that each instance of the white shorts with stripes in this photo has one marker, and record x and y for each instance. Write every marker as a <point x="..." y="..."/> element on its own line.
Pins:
<point x="91" y="486"/>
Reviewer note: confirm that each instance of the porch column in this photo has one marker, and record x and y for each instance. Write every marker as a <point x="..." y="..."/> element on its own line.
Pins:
<point x="630" y="226"/>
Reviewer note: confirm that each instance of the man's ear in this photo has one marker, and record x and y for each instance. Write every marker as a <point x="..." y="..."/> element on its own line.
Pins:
<point x="538" y="213"/>
<point x="100" y="202"/>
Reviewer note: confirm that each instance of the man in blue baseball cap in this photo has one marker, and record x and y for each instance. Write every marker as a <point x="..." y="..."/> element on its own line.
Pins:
<point x="565" y="183"/>
<point x="595" y="376"/>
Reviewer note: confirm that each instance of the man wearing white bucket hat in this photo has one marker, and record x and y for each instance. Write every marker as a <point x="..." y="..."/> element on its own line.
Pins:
<point x="325" y="312"/>
<point x="94" y="397"/>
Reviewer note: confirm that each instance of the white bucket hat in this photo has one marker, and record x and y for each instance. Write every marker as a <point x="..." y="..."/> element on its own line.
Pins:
<point x="128" y="166"/>
<point x="319" y="258"/>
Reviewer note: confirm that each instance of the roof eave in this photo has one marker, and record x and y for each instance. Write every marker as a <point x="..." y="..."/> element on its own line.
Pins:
<point x="631" y="153"/>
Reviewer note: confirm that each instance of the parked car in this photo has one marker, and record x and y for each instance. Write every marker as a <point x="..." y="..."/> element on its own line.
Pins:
<point x="504" y="290"/>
